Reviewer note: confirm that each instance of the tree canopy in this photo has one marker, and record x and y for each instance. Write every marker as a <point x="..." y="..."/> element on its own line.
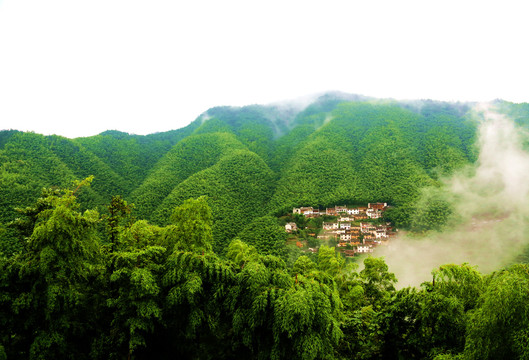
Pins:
<point x="170" y="246"/>
<point x="137" y="290"/>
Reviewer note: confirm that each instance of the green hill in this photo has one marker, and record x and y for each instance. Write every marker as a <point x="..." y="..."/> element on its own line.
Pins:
<point x="339" y="149"/>
<point x="133" y="156"/>
<point x="200" y="268"/>
<point x="191" y="155"/>
<point x="362" y="152"/>
<point x="238" y="187"/>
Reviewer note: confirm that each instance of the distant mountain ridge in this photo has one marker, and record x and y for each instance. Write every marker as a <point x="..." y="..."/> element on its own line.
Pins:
<point x="256" y="160"/>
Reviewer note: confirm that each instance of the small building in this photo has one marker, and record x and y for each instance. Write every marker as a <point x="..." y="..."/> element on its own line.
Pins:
<point x="369" y="237"/>
<point x="345" y="237"/>
<point x="374" y="213"/>
<point x="377" y="206"/>
<point x="309" y="210"/>
<point x="361" y="216"/>
<point x="354" y="211"/>
<point x="380" y="234"/>
<point x="326" y="236"/>
<point x="345" y="225"/>
<point x="366" y="227"/>
<point x="330" y="225"/>
<point x="330" y="211"/>
<point x="364" y="249"/>
<point x="291" y="226"/>
<point x="349" y="253"/>
<point x="340" y="209"/>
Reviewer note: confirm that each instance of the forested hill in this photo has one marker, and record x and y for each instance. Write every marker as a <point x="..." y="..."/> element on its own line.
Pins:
<point x="199" y="267"/>
<point x="254" y="161"/>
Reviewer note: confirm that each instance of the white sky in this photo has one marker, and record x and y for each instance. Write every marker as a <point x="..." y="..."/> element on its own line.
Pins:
<point x="77" y="68"/>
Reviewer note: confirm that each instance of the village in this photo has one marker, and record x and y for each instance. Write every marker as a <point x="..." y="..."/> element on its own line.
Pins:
<point x="355" y="230"/>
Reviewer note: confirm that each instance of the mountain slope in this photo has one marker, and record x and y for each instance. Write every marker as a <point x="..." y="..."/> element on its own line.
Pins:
<point x="257" y="160"/>
<point x="191" y="155"/>
<point x="133" y="156"/>
<point x="366" y="152"/>
<point x="238" y="187"/>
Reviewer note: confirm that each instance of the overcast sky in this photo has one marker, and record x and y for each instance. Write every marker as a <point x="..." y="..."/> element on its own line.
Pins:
<point x="77" y="68"/>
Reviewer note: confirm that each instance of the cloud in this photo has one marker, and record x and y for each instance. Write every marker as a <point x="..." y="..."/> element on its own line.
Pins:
<point x="489" y="225"/>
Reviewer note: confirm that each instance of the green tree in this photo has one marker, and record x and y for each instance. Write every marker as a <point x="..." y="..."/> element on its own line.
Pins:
<point x="135" y="297"/>
<point x="197" y="323"/>
<point x="266" y="235"/>
<point x="279" y="316"/>
<point x="421" y="324"/>
<point x="192" y="226"/>
<point x="498" y="328"/>
<point x="48" y="284"/>
<point x="378" y="281"/>
<point x="303" y="266"/>
<point x="330" y="262"/>
<point x="118" y="210"/>
<point x="463" y="282"/>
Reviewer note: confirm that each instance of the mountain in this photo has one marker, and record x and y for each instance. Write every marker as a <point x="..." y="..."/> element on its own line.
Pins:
<point x="255" y="160"/>
<point x="238" y="187"/>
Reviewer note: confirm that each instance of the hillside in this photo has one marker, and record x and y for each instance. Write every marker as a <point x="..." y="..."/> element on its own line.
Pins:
<point x="174" y="244"/>
<point x="255" y="160"/>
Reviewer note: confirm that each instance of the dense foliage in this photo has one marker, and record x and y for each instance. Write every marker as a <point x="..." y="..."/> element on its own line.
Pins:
<point x="261" y="160"/>
<point x="171" y="246"/>
<point x="143" y="291"/>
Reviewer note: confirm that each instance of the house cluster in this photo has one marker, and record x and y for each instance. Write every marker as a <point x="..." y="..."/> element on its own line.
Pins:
<point x="372" y="211"/>
<point x="351" y="234"/>
<point x="362" y="238"/>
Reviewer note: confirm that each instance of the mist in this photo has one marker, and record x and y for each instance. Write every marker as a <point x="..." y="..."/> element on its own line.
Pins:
<point x="489" y="225"/>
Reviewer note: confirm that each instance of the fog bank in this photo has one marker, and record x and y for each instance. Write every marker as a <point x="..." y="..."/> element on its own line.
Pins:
<point x="489" y="225"/>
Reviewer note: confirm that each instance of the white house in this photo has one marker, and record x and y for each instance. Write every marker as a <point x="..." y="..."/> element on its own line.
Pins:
<point x="364" y="249"/>
<point x="330" y="225"/>
<point x="380" y="234"/>
<point x="373" y="213"/>
<point x="303" y="210"/>
<point x="354" y="211"/>
<point x="345" y="225"/>
<point x="345" y="237"/>
<point x="340" y="209"/>
<point x="291" y="226"/>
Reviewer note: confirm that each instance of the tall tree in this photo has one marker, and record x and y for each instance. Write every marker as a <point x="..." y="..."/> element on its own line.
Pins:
<point x="49" y="282"/>
<point x="498" y="328"/>
<point x="191" y="226"/>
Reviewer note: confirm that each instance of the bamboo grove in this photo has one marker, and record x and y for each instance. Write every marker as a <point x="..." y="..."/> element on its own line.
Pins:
<point x="92" y="286"/>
